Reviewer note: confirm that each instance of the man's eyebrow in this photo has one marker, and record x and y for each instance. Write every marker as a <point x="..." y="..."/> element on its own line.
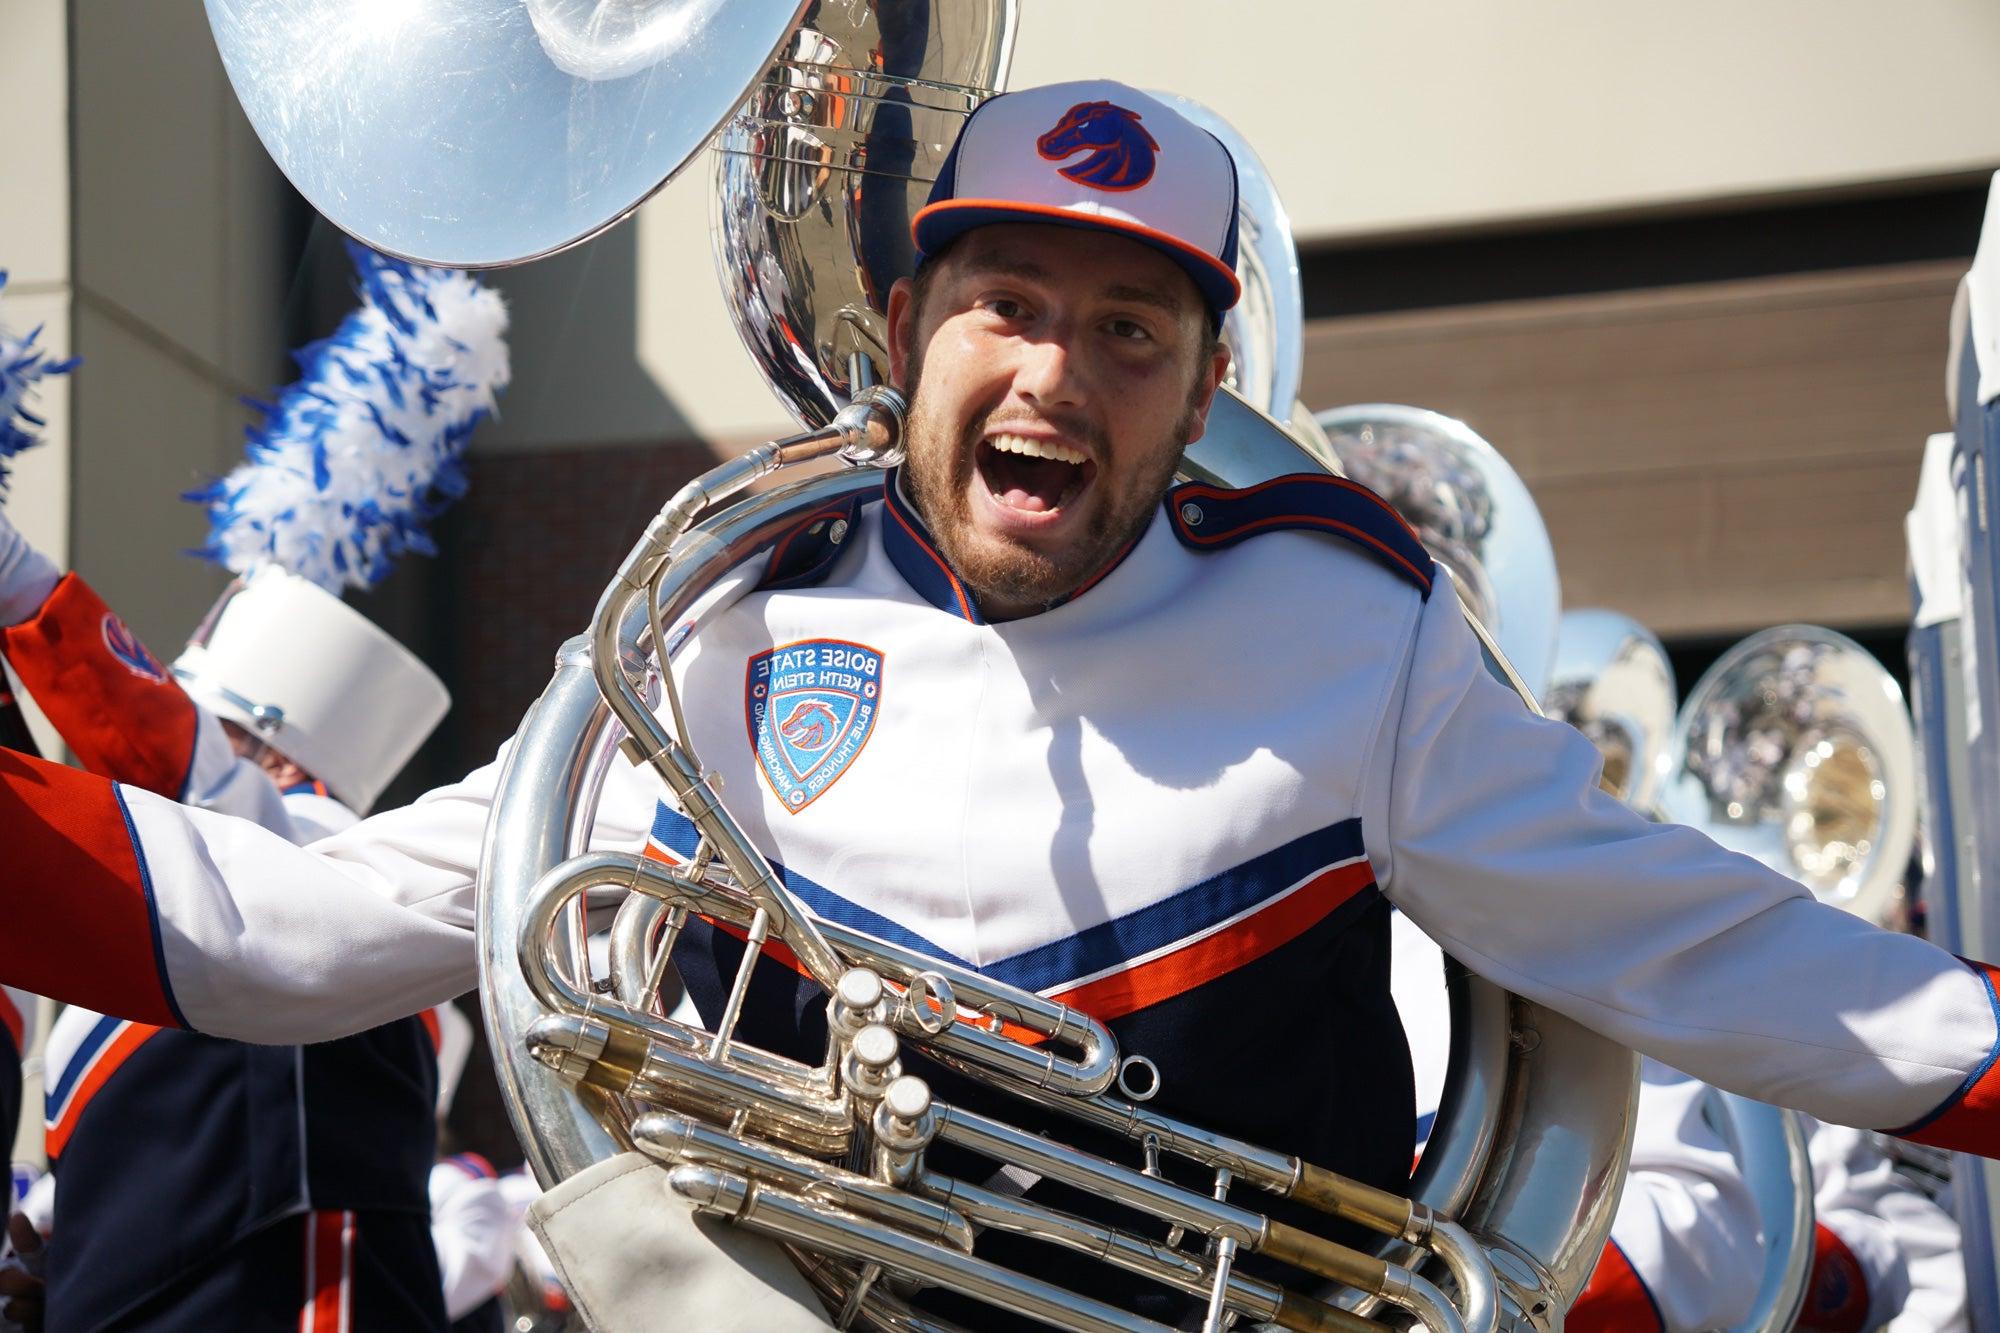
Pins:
<point x="1002" y="264"/>
<point x="1152" y="296"/>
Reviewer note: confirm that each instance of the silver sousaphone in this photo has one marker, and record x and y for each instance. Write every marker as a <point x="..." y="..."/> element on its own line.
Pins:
<point x="1612" y="681"/>
<point x="491" y="131"/>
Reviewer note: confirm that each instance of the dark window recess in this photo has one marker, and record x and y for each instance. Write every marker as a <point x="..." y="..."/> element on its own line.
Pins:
<point x="1692" y="657"/>
<point x="1570" y="259"/>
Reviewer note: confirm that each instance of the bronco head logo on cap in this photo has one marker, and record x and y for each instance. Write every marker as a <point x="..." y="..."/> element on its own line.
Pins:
<point x="1121" y="150"/>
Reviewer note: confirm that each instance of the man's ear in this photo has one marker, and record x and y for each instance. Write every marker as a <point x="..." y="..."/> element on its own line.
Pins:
<point x="902" y="309"/>
<point x="1213" y="374"/>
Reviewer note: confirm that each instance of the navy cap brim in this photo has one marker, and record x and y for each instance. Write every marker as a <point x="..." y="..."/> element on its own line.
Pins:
<point x="938" y="225"/>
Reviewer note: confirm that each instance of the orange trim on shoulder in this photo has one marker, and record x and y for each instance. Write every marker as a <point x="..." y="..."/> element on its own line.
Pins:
<point x="784" y="543"/>
<point x="1324" y="479"/>
<point x="1312" y="520"/>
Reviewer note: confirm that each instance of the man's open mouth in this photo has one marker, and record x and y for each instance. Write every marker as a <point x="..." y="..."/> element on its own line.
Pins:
<point x="1033" y="476"/>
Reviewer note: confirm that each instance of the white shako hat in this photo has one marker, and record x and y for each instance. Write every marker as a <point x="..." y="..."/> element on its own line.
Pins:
<point x="297" y="667"/>
<point x="1097" y="155"/>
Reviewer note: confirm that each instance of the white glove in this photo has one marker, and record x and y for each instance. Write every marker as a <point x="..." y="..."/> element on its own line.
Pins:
<point x="27" y="577"/>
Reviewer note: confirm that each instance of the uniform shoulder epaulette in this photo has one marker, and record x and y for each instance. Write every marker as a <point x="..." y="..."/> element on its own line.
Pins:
<point x="1209" y="518"/>
<point x="803" y="555"/>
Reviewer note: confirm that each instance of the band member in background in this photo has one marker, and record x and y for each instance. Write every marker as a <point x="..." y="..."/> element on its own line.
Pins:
<point x="293" y="1179"/>
<point x="1685" y="1253"/>
<point x="473" y="1222"/>
<point x="1165" y="754"/>
<point x="296" y="1176"/>
<point x="1887" y="1255"/>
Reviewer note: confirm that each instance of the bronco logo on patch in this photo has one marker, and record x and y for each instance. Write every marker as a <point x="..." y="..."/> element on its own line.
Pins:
<point x="125" y="646"/>
<point x="810" y="707"/>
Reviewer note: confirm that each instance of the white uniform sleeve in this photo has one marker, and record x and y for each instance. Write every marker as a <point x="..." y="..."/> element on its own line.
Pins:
<point x="264" y="941"/>
<point x="1907" y="1246"/>
<point x="222" y="781"/>
<point x="472" y="1225"/>
<point x="1493" y="836"/>
<point x="1686" y="1221"/>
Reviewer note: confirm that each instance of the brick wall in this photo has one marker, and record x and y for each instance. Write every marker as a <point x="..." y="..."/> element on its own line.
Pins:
<point x="522" y="560"/>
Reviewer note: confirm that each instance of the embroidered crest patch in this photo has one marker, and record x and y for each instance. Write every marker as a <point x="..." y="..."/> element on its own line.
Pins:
<point x="125" y="646"/>
<point x="810" y="707"/>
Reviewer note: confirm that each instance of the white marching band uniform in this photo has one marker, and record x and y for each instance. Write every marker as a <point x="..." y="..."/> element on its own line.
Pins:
<point x="241" y="1142"/>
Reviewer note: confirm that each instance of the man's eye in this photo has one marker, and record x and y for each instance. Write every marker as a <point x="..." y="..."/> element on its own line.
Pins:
<point x="1126" y="328"/>
<point x="1006" y="307"/>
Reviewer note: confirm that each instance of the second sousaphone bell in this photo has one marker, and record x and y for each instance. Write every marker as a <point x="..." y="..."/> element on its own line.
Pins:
<point x="1796" y="748"/>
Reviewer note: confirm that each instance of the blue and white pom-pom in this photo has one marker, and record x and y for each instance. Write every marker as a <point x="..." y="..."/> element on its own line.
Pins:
<point x="21" y="365"/>
<point x="354" y="460"/>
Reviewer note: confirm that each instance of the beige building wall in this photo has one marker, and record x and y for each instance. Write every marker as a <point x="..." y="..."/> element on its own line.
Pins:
<point x="1396" y="119"/>
<point x="35" y="253"/>
<point x="182" y="273"/>
<point x="176" y="275"/>
<point x="1392" y="118"/>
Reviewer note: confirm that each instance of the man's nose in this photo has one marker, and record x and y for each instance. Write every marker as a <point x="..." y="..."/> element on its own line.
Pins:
<point x="1048" y="374"/>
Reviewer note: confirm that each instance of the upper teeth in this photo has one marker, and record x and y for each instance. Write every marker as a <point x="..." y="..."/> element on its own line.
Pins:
<point x="1021" y="444"/>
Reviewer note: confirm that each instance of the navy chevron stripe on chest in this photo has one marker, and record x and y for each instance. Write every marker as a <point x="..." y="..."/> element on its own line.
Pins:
<point x="676" y="833"/>
<point x="1155" y="952"/>
<point x="1210" y="518"/>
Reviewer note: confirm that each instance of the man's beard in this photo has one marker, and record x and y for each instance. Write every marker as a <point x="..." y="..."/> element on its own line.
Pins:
<point x="939" y="476"/>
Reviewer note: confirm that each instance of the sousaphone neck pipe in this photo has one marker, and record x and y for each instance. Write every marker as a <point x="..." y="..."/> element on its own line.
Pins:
<point x="866" y="433"/>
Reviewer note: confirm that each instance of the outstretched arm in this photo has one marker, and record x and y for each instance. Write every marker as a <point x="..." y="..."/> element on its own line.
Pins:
<point x="122" y="712"/>
<point x="140" y="907"/>
<point x="1494" y="837"/>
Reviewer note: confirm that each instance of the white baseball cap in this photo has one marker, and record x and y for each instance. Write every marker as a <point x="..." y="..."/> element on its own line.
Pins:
<point x="291" y="663"/>
<point x="1097" y="155"/>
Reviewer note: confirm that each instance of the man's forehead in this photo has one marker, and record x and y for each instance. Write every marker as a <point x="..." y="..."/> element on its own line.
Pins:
<point x="1089" y="261"/>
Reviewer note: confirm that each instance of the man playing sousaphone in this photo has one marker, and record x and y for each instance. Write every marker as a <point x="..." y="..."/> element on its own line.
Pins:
<point x="1163" y="754"/>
